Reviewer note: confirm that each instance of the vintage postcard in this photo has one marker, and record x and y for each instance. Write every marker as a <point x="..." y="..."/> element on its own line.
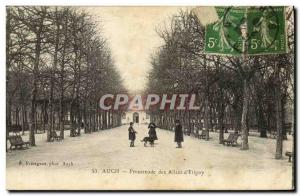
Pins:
<point x="150" y="98"/>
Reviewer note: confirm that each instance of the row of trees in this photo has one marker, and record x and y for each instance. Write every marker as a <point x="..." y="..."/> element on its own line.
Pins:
<point x="58" y="65"/>
<point x="232" y="92"/>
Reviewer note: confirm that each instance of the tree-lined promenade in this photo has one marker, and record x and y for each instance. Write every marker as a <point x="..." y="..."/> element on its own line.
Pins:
<point x="239" y="93"/>
<point x="58" y="65"/>
<point x="202" y="121"/>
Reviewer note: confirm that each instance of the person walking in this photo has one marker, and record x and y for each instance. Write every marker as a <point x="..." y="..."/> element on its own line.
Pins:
<point x="131" y="134"/>
<point x="178" y="134"/>
<point x="152" y="131"/>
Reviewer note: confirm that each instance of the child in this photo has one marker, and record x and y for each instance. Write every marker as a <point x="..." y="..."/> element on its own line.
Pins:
<point x="132" y="133"/>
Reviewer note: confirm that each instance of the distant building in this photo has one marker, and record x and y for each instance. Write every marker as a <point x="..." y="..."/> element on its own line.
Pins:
<point x="140" y="117"/>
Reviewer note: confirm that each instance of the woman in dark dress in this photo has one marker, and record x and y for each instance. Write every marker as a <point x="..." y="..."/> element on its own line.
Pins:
<point x="152" y="131"/>
<point x="178" y="134"/>
<point x="131" y="134"/>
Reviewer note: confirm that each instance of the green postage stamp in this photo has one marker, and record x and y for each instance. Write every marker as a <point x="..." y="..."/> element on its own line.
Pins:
<point x="250" y="30"/>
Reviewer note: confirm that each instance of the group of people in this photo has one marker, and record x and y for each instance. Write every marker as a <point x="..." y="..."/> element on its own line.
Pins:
<point x="152" y="133"/>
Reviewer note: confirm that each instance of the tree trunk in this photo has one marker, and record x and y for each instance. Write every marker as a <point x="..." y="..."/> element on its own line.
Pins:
<point x="221" y="133"/>
<point x="279" y="139"/>
<point x="261" y="122"/>
<point x="246" y="96"/>
<point x="237" y="119"/>
<point x="84" y="117"/>
<point x="211" y="119"/>
<point x="17" y="121"/>
<point x="72" y="118"/>
<point x="221" y="120"/>
<point x="32" y="116"/>
<point x="61" y="81"/>
<point x="50" y="121"/>
<point x="96" y="117"/>
<point x="284" y="131"/>
<point x="206" y="116"/>
<point x="23" y="118"/>
<point x="61" y="116"/>
<point x="34" y="88"/>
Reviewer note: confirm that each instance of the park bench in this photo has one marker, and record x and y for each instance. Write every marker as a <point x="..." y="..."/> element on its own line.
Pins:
<point x="40" y="131"/>
<point x="195" y="133"/>
<point x="54" y="136"/>
<point x="16" y="141"/>
<point x="273" y="134"/>
<point x="231" y="140"/>
<point x="202" y="135"/>
<point x="187" y="132"/>
<point x="16" y="129"/>
<point x="290" y="155"/>
<point x="75" y="133"/>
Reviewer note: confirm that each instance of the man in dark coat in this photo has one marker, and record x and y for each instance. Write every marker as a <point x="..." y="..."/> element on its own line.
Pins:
<point x="178" y="134"/>
<point x="131" y="134"/>
<point x="152" y="131"/>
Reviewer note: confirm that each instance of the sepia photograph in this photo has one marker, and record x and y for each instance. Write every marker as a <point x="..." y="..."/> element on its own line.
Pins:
<point x="150" y="98"/>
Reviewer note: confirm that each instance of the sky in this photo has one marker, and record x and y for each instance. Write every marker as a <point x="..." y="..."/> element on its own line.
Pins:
<point x="131" y="35"/>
